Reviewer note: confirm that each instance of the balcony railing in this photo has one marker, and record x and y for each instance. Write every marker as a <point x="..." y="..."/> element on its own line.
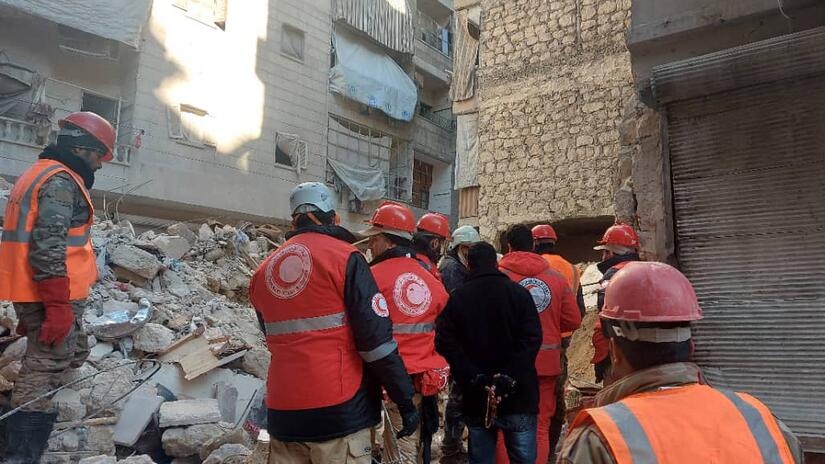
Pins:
<point x="19" y="132"/>
<point x="434" y="35"/>
<point x="435" y="118"/>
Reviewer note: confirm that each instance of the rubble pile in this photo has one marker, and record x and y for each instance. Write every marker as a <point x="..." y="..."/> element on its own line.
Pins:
<point x="177" y="298"/>
<point x="581" y="349"/>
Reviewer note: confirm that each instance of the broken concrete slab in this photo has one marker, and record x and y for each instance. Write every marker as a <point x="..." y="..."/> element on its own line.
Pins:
<point x="227" y="397"/>
<point x="256" y="362"/>
<point x="11" y="372"/>
<point x="69" y="405"/>
<point x="205" y="232"/>
<point x="84" y="371"/>
<point x="135" y="417"/>
<point x="172" y="246"/>
<point x="182" y="442"/>
<point x="141" y="459"/>
<point x="229" y="436"/>
<point x="189" y="412"/>
<point x="14" y="352"/>
<point x="135" y="260"/>
<point x="231" y="453"/>
<point x="100" y="350"/>
<point x="99" y="438"/>
<point x="182" y="230"/>
<point x="102" y="459"/>
<point x="175" y="284"/>
<point x="107" y="387"/>
<point x="153" y="338"/>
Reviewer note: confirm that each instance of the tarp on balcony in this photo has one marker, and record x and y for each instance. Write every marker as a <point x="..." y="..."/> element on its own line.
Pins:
<point x="365" y="183"/>
<point x="363" y="73"/>
<point x="388" y="22"/>
<point x="118" y="20"/>
<point x="466" y="148"/>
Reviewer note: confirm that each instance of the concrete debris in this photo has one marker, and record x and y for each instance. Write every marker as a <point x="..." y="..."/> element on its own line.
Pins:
<point x="99" y="438"/>
<point x="228" y="454"/>
<point x="99" y="460"/>
<point x="100" y="351"/>
<point x="172" y="246"/>
<point x="227" y="397"/>
<point x="153" y="338"/>
<point x="14" y="352"/>
<point x="69" y="405"/>
<point x="182" y="442"/>
<point x="189" y="412"/>
<point x="256" y="362"/>
<point x="182" y="230"/>
<point x="136" y="415"/>
<point x="142" y="459"/>
<point x="205" y="233"/>
<point x="107" y="387"/>
<point x="11" y="371"/>
<point x="136" y="261"/>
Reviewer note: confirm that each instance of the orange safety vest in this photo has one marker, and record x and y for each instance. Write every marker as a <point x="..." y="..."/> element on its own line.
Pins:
<point x="16" y="274"/>
<point x="569" y="271"/>
<point x="299" y="292"/>
<point x="546" y="289"/>
<point x="694" y="423"/>
<point x="415" y="299"/>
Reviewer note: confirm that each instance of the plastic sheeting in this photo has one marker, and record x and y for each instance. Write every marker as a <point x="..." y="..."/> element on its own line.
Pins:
<point x="466" y="55"/>
<point x="365" y="183"/>
<point x="364" y="73"/>
<point x="118" y="20"/>
<point x="389" y="22"/>
<point x="466" y="162"/>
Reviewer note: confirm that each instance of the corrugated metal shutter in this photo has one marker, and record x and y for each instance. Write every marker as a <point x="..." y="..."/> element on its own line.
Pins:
<point x="748" y="167"/>
<point x="389" y="22"/>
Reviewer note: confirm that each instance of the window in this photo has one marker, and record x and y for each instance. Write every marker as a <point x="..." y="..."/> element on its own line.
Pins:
<point x="83" y="43"/>
<point x="290" y="151"/>
<point x="189" y="125"/>
<point x="292" y="42"/>
<point x="422" y="183"/>
<point x="205" y="11"/>
<point x="107" y="107"/>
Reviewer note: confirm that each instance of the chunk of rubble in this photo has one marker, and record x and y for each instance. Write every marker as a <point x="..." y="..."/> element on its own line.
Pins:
<point x="136" y="261"/>
<point x="102" y="459"/>
<point x="172" y="246"/>
<point x="231" y="453"/>
<point x="205" y="232"/>
<point x="256" y="362"/>
<point x="189" y="412"/>
<point x="69" y="405"/>
<point x="142" y="459"/>
<point x="181" y="442"/>
<point x="182" y="230"/>
<point x="153" y="338"/>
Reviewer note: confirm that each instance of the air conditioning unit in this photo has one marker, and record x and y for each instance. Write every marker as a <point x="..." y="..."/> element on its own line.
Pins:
<point x="83" y="43"/>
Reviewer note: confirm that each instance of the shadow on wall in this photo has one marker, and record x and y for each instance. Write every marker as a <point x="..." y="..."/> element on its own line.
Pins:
<point x="577" y="237"/>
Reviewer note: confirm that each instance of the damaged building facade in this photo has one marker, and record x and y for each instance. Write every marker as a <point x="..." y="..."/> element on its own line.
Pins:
<point x="539" y="90"/>
<point x="724" y="177"/>
<point x="222" y="107"/>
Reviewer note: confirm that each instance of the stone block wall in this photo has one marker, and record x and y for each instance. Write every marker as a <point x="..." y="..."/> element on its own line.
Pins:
<point x="554" y="79"/>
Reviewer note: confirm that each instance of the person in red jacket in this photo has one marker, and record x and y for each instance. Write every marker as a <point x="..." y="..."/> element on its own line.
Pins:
<point x="414" y="299"/>
<point x="558" y="312"/>
<point x="431" y="234"/>
<point x="328" y="330"/>
<point x="619" y="246"/>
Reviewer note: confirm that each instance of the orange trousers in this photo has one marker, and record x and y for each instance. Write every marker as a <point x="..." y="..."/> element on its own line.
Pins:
<point x="547" y="408"/>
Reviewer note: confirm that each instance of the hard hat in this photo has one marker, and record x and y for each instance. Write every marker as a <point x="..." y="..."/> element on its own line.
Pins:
<point x="650" y="292"/>
<point x="619" y="234"/>
<point x="434" y="223"/>
<point x="544" y="232"/>
<point x="391" y="218"/>
<point x="94" y="125"/>
<point x="464" y="235"/>
<point x="313" y="194"/>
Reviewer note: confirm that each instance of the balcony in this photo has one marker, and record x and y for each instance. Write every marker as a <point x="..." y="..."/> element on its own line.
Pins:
<point x="21" y="133"/>
<point x="434" y="135"/>
<point x="433" y="48"/>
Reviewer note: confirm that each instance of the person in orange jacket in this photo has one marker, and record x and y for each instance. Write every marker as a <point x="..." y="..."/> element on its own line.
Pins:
<point x="328" y="330"/>
<point x="431" y="234"/>
<point x="558" y="313"/>
<point x="414" y="299"/>
<point x="659" y="409"/>
<point x="619" y="246"/>
<point x="544" y="239"/>
<point x="47" y="266"/>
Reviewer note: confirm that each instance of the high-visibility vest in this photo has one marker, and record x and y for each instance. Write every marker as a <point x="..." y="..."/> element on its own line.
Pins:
<point x="546" y="289"/>
<point x="693" y="423"/>
<point x="565" y="268"/>
<point x="299" y="292"/>
<point x="16" y="273"/>
<point x="415" y="299"/>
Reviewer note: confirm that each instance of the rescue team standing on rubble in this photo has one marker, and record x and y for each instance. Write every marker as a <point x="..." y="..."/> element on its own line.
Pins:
<point x="353" y="342"/>
<point x="47" y="267"/>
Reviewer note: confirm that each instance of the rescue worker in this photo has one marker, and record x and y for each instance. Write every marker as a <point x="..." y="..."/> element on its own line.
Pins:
<point x="544" y="240"/>
<point x="47" y="266"/>
<point x="619" y="246"/>
<point x="490" y="334"/>
<point x="558" y="313"/>
<point x="659" y="409"/>
<point x="328" y="330"/>
<point x="431" y="233"/>
<point x="415" y="298"/>
<point x="453" y="269"/>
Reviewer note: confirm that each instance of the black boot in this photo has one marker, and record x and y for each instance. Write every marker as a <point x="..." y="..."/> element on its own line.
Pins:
<point x="27" y="434"/>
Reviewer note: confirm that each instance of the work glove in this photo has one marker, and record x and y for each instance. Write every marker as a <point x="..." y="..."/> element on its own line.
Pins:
<point x="409" y="421"/>
<point x="505" y="385"/>
<point x="58" y="320"/>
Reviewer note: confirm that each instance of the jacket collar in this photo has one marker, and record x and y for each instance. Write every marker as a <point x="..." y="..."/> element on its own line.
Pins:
<point x="608" y="263"/>
<point x="653" y="378"/>
<point x="333" y="231"/>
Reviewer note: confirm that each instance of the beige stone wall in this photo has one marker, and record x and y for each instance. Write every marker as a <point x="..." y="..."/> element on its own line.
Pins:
<point x="553" y="83"/>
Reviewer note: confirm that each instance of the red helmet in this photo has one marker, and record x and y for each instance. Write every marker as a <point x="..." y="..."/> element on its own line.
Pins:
<point x="434" y="223"/>
<point x="650" y="292"/>
<point x="391" y="218"/>
<point x="620" y="234"/>
<point x="544" y="232"/>
<point x="95" y="126"/>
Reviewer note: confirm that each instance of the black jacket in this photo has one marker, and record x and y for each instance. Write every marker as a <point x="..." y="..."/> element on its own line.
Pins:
<point x="608" y="271"/>
<point x="453" y="273"/>
<point x="372" y="333"/>
<point x="490" y="325"/>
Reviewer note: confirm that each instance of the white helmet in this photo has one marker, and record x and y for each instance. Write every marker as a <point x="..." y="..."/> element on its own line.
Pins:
<point x="464" y="235"/>
<point x="313" y="194"/>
